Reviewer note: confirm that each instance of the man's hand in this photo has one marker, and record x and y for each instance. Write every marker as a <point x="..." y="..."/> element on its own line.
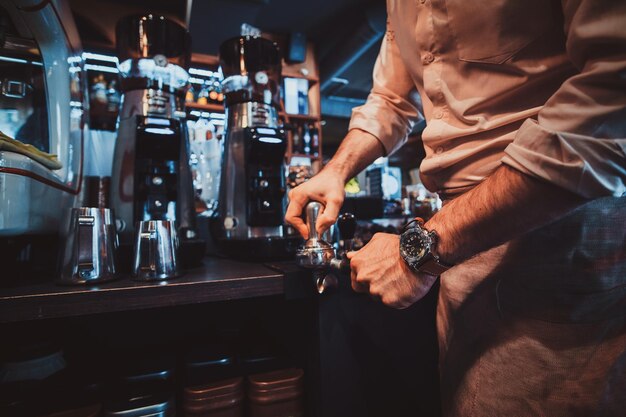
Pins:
<point x="357" y="151"/>
<point x="379" y="269"/>
<point x="326" y="188"/>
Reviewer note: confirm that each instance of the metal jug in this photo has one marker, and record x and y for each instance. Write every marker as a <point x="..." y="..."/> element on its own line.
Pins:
<point x="90" y="246"/>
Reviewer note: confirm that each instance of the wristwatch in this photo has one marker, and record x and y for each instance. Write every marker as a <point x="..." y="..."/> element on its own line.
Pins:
<point x="417" y="247"/>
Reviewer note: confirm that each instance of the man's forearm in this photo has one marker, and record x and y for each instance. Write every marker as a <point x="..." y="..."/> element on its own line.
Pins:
<point x="357" y="150"/>
<point x="506" y="205"/>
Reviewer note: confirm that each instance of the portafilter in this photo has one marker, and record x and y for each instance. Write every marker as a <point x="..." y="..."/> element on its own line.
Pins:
<point x="318" y="255"/>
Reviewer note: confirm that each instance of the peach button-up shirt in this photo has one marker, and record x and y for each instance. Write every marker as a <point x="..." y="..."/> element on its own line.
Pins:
<point x="539" y="85"/>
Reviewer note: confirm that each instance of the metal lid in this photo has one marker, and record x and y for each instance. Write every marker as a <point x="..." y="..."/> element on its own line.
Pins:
<point x="215" y="389"/>
<point x="231" y="400"/>
<point x="208" y="364"/>
<point x="143" y="406"/>
<point x="141" y="366"/>
<point x="151" y="35"/>
<point x="208" y="357"/>
<point x="248" y="55"/>
<point x="274" y="396"/>
<point x="275" y="380"/>
<point x="252" y="70"/>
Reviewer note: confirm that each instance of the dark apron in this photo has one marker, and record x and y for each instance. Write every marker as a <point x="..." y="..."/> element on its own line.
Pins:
<point x="537" y="326"/>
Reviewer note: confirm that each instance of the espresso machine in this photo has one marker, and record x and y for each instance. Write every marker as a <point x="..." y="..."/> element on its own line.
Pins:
<point x="252" y="202"/>
<point x="42" y="124"/>
<point x="151" y="178"/>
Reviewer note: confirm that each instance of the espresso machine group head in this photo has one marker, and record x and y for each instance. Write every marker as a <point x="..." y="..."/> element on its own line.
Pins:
<point x="151" y="177"/>
<point x="252" y="202"/>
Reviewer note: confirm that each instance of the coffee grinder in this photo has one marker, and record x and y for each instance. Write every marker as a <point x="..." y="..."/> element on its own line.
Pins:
<point x="151" y="177"/>
<point x="252" y="204"/>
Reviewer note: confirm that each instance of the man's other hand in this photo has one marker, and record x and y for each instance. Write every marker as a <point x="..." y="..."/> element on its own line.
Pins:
<point x="326" y="188"/>
<point x="378" y="269"/>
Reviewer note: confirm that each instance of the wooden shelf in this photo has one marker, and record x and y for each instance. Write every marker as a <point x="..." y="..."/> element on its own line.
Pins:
<point x="204" y="59"/>
<point x="303" y="155"/>
<point x="310" y="79"/>
<point x="217" y="108"/>
<point x="216" y="280"/>
<point x="305" y="117"/>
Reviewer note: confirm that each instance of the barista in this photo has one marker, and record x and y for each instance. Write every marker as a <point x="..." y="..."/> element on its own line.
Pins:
<point x="525" y="110"/>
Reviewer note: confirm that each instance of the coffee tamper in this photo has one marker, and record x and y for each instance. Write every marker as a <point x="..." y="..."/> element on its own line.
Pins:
<point x="319" y="255"/>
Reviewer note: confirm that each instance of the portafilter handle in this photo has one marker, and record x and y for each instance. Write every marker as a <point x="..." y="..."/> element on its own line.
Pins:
<point x="327" y="279"/>
<point x="347" y="228"/>
<point x="340" y="265"/>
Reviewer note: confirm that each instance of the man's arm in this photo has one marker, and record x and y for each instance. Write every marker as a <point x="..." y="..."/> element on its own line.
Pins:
<point x="577" y="143"/>
<point x="507" y="204"/>
<point x="357" y="151"/>
<point x="574" y="151"/>
<point x="504" y="206"/>
<point x="377" y="128"/>
<point x="578" y="140"/>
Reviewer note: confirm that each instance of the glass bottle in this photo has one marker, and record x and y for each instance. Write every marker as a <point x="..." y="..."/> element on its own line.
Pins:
<point x="315" y="140"/>
<point x="203" y="95"/>
<point x="306" y="140"/>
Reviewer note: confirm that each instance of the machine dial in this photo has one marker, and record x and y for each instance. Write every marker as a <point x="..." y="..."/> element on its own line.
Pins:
<point x="261" y="77"/>
<point x="160" y="60"/>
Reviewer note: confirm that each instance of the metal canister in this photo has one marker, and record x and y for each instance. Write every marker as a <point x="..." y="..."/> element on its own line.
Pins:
<point x="277" y="393"/>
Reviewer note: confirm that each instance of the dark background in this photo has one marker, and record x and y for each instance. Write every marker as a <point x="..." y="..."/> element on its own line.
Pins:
<point x="346" y="34"/>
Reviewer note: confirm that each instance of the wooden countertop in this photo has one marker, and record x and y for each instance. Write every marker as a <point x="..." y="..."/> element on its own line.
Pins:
<point x="216" y="280"/>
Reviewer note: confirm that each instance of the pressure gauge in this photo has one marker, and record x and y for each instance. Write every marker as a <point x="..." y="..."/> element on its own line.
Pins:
<point x="160" y="60"/>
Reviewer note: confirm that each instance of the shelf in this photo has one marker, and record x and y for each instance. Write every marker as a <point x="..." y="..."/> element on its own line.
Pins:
<point x="303" y="155"/>
<point x="306" y="117"/>
<point x="206" y="107"/>
<point x="204" y="59"/>
<point x="216" y="280"/>
<point x="220" y="108"/>
<point x="310" y="79"/>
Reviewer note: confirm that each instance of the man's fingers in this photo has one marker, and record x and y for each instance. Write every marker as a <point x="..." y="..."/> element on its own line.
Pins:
<point x="358" y="286"/>
<point x="329" y="215"/>
<point x="294" y="213"/>
<point x="358" y="283"/>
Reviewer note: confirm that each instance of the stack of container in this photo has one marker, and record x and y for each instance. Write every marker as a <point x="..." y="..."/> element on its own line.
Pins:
<point x="276" y="393"/>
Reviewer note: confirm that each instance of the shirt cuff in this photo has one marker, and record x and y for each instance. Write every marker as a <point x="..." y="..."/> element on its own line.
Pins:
<point x="389" y="128"/>
<point x="588" y="166"/>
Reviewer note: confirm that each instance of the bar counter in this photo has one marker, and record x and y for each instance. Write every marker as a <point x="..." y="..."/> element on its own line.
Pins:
<point x="215" y="280"/>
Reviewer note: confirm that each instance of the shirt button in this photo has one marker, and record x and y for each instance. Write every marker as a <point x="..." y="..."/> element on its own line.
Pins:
<point x="439" y="150"/>
<point x="439" y="115"/>
<point x="428" y="58"/>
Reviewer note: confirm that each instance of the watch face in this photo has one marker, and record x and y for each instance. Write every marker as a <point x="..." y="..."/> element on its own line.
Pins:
<point x="414" y="244"/>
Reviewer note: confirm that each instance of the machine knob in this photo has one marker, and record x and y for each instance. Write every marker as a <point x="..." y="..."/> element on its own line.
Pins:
<point x="230" y="222"/>
<point x="347" y="226"/>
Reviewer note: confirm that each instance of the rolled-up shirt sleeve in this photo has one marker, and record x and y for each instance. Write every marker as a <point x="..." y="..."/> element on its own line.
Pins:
<point x="388" y="114"/>
<point x="578" y="141"/>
